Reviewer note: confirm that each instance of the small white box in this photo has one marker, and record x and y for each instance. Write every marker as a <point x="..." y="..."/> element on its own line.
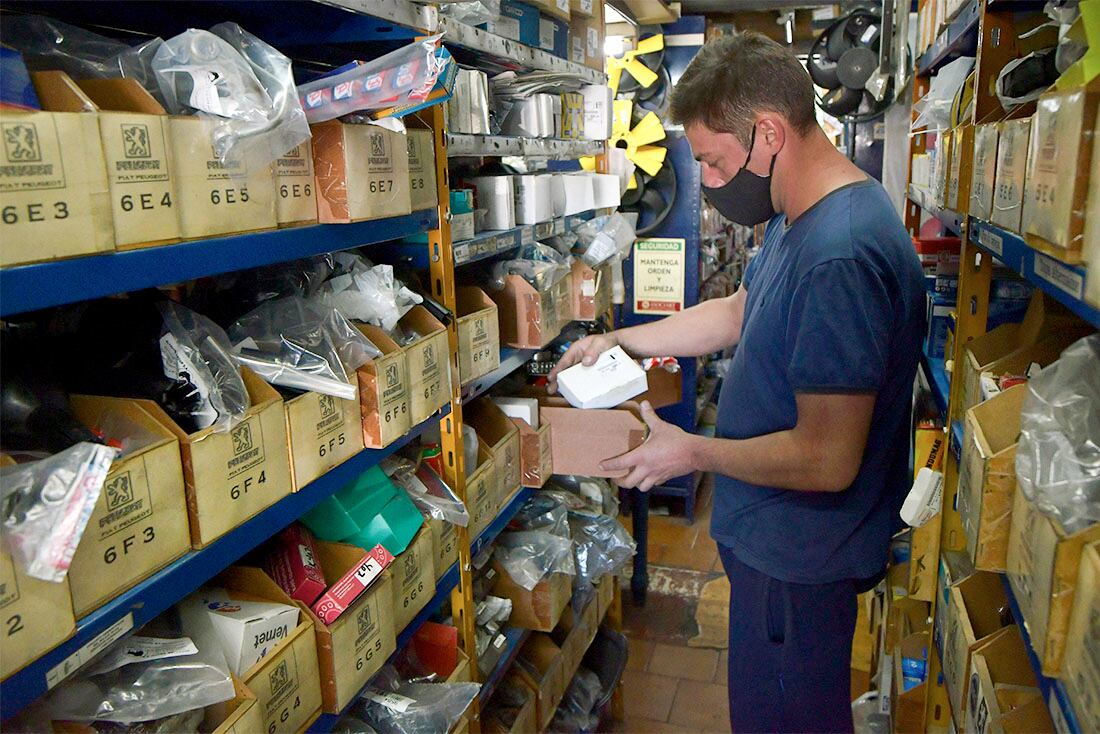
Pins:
<point x="462" y="226"/>
<point x="246" y="630"/>
<point x="532" y="199"/>
<point x="496" y="197"/>
<point x="613" y="379"/>
<point x="605" y="190"/>
<point x="557" y="193"/>
<point x="468" y="107"/>
<point x="531" y="117"/>
<point x="579" y="193"/>
<point x="525" y="409"/>
<point x="597" y="111"/>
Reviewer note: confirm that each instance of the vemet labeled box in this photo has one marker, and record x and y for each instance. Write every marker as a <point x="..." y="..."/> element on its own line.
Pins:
<point x="247" y="629"/>
<point x="612" y="379"/>
<point x="54" y="181"/>
<point x="232" y="476"/>
<point x="362" y="172"/>
<point x="139" y="523"/>
<point x="134" y="130"/>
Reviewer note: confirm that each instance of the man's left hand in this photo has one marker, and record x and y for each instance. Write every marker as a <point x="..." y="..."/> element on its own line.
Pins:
<point x="666" y="453"/>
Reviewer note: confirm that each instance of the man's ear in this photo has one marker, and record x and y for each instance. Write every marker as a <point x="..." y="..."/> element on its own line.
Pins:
<point x="771" y="130"/>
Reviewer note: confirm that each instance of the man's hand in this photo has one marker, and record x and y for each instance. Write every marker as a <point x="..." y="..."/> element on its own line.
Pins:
<point x="666" y="453"/>
<point x="585" y="351"/>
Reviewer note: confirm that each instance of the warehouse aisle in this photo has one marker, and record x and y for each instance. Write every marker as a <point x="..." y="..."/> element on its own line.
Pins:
<point x="671" y="685"/>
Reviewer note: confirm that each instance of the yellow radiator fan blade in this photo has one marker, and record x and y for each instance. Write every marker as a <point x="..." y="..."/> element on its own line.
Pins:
<point x="639" y="139"/>
<point x="649" y="158"/>
<point x="630" y="63"/>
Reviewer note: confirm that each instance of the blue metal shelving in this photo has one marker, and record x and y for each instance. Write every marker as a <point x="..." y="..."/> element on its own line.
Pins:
<point x="958" y="39"/>
<point x="937" y="379"/>
<point x="1054" y="693"/>
<point x="443" y="588"/>
<point x="514" y="637"/>
<point x="1066" y="283"/>
<point x="146" y="600"/>
<point x="956" y="439"/>
<point x="510" y="360"/>
<point x="32" y="287"/>
<point x="952" y="221"/>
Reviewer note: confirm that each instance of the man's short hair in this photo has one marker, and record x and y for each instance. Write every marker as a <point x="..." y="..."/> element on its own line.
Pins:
<point x="733" y="78"/>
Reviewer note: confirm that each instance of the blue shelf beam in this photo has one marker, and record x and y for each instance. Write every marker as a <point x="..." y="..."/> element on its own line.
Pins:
<point x="1054" y="693"/>
<point x="169" y="585"/>
<point x="1065" y="283"/>
<point x="951" y="221"/>
<point x="960" y="38"/>
<point x="443" y="588"/>
<point x="32" y="287"/>
<point x="514" y="638"/>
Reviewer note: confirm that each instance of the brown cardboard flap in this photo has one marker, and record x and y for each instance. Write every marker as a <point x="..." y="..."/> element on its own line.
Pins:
<point x="471" y="299"/>
<point x="665" y="388"/>
<point x="120" y="95"/>
<point x="336" y="559"/>
<point x="421" y="320"/>
<point x="489" y="421"/>
<point x="58" y="93"/>
<point x="581" y="439"/>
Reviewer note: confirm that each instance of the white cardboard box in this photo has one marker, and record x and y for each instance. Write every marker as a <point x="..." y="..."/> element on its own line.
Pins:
<point x="532" y="199"/>
<point x="579" y="193"/>
<point x="526" y="409"/>
<point x="246" y="630"/>
<point x="605" y="190"/>
<point x="496" y="196"/>
<point x="612" y="380"/>
<point x="597" y="111"/>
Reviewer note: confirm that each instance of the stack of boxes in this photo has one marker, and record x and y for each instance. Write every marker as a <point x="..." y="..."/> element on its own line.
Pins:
<point x="568" y="29"/>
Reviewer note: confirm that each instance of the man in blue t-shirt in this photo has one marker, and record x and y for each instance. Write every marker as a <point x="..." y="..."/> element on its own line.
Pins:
<point x="812" y="444"/>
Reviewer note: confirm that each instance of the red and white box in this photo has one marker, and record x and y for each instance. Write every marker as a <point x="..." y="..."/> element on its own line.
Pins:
<point x="292" y="564"/>
<point x="350" y="587"/>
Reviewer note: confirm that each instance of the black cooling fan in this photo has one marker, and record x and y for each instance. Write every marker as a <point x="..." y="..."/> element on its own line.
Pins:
<point x="843" y="60"/>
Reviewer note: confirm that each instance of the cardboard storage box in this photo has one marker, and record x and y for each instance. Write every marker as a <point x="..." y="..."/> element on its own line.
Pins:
<point x="929" y="444"/>
<point x="555" y="8"/>
<point x="536" y="453"/>
<point x="232" y="476"/>
<point x="1059" y="158"/>
<point x="531" y="319"/>
<point x="540" y="667"/>
<point x="959" y="172"/>
<point x="982" y="175"/>
<point x="941" y="167"/>
<point x="53" y="181"/>
<point x="238" y="715"/>
<point x="1043" y="561"/>
<point x="540" y="608"/>
<point x="605" y="593"/>
<point x="140" y="171"/>
<point x="973" y="614"/>
<point x="413" y="578"/>
<point x="1091" y="251"/>
<point x="444" y="545"/>
<point x="429" y="364"/>
<point x="362" y="172"/>
<point x="295" y="187"/>
<point x="1081" y="664"/>
<point x="217" y="198"/>
<point x="422" y="188"/>
<point x="1008" y="177"/>
<point x="38" y="615"/>
<point x="502" y="437"/>
<point x="478" y="334"/>
<point x="586" y="37"/>
<point x="987" y="477"/>
<point x="286" y="682"/>
<point x="1004" y="696"/>
<point x="324" y="431"/>
<point x="139" y="523"/>
<point x="494" y="718"/>
<point x="383" y="391"/>
<point x="907" y="707"/>
<point x="584" y="8"/>
<point x="591" y="291"/>
<point x="358" y="643"/>
<point x="481" y="494"/>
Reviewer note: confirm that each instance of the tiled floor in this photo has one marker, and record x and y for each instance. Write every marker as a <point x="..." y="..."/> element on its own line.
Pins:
<point x="669" y="686"/>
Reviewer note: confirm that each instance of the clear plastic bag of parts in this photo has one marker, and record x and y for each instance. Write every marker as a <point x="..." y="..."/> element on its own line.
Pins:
<point x="400" y="77"/>
<point x="232" y="76"/>
<point x="576" y="712"/>
<point x="1058" y="455"/>
<point x="530" y="555"/>
<point x="540" y="265"/>
<point x="145" y="679"/>
<point x="471" y="12"/>
<point x="47" y="504"/>
<point x="392" y="706"/>
<point x="604" y="238"/>
<point x="601" y="544"/>
<point x="195" y="349"/>
<point x="301" y="344"/>
<point x="368" y="293"/>
<point x="427" y="490"/>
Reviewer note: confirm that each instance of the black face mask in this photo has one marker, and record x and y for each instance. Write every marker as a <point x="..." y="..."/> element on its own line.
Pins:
<point x="746" y="198"/>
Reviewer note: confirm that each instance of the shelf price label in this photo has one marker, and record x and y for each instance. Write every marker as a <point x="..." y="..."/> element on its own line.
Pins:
<point x="991" y="241"/>
<point x="1060" y="276"/>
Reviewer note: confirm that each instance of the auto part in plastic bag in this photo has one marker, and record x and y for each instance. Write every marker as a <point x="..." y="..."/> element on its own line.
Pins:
<point x="301" y="344"/>
<point x="544" y="512"/>
<point x="368" y="293"/>
<point x="576" y="711"/>
<point x="601" y="544"/>
<point x="529" y="556"/>
<point x="1024" y="80"/>
<point x="471" y="12"/>
<point x="934" y="108"/>
<point x="47" y="504"/>
<point x="401" y="77"/>
<point x="48" y="44"/>
<point x="1058" y="455"/>
<point x="142" y="679"/>
<point x="540" y="265"/>
<point x="427" y="491"/>
<point x="414" y="708"/>
<point x="196" y="349"/>
<point x="605" y="237"/>
<point x="231" y="75"/>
